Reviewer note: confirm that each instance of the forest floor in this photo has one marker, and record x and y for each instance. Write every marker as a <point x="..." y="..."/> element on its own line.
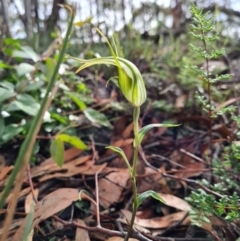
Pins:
<point x="93" y="187"/>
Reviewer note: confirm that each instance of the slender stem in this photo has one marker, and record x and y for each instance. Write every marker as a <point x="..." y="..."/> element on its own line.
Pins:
<point x="136" y="114"/>
<point x="209" y="96"/>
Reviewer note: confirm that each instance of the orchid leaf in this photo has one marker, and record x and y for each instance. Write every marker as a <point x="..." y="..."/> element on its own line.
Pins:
<point x="121" y="153"/>
<point x="146" y="128"/>
<point x="147" y="194"/>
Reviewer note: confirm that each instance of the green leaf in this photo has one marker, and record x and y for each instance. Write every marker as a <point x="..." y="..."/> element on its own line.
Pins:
<point x="9" y="132"/>
<point x="147" y="194"/>
<point x="7" y="85"/>
<point x="121" y="152"/>
<point x="73" y="140"/>
<point x="77" y="101"/>
<point x="146" y="128"/>
<point x="25" y="103"/>
<point x="62" y="119"/>
<point x="34" y="86"/>
<point x="5" y="66"/>
<point x="12" y="42"/>
<point x="96" y="117"/>
<point x="5" y="94"/>
<point x="57" y="151"/>
<point x="50" y="65"/>
<point x="26" y="53"/>
<point x="24" y="68"/>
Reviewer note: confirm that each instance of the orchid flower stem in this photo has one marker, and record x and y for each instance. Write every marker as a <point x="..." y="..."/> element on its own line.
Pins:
<point x="136" y="114"/>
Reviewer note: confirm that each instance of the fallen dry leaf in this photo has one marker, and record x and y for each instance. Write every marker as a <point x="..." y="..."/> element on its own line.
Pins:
<point x="180" y="101"/>
<point x="29" y="200"/>
<point x="49" y="166"/>
<point x="153" y="180"/>
<point x="81" y="234"/>
<point x="120" y="239"/>
<point x="158" y="222"/>
<point x="111" y="187"/>
<point x="127" y="133"/>
<point x="94" y="168"/>
<point x="175" y="202"/>
<point x="4" y="171"/>
<point x="23" y="192"/>
<point x="120" y="125"/>
<point x="48" y="206"/>
<point x="55" y="202"/>
<point x="71" y="171"/>
<point x="126" y="146"/>
<point x="192" y="170"/>
<point x="68" y="155"/>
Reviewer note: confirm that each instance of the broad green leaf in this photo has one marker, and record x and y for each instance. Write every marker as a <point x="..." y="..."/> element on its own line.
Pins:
<point x="96" y="117"/>
<point x="26" y="53"/>
<point x="73" y="140"/>
<point x="146" y="128"/>
<point x="57" y="151"/>
<point x="24" y="68"/>
<point x="2" y="126"/>
<point x="5" y="94"/>
<point x="7" y="85"/>
<point x="34" y="86"/>
<point x="13" y="42"/>
<point x="121" y="152"/>
<point x="77" y="101"/>
<point x="25" y="103"/>
<point x="147" y="194"/>
<point x="81" y="23"/>
<point x="9" y="132"/>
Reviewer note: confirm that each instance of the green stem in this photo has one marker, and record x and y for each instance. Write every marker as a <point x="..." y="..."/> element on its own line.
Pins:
<point x="25" y="146"/>
<point x="136" y="114"/>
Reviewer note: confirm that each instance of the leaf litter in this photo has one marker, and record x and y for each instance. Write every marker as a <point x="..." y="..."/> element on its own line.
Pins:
<point x="175" y="160"/>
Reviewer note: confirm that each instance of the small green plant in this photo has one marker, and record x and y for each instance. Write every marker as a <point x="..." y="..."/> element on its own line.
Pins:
<point x="222" y="202"/>
<point x="203" y="30"/>
<point x="226" y="207"/>
<point x="19" y="91"/>
<point x="132" y="86"/>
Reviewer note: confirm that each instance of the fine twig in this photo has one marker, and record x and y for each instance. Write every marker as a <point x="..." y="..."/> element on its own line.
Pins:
<point x="31" y="183"/>
<point x="171" y="227"/>
<point x="192" y="155"/>
<point x="95" y="154"/>
<point x="100" y="229"/>
<point x="97" y="196"/>
<point x="178" y="178"/>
